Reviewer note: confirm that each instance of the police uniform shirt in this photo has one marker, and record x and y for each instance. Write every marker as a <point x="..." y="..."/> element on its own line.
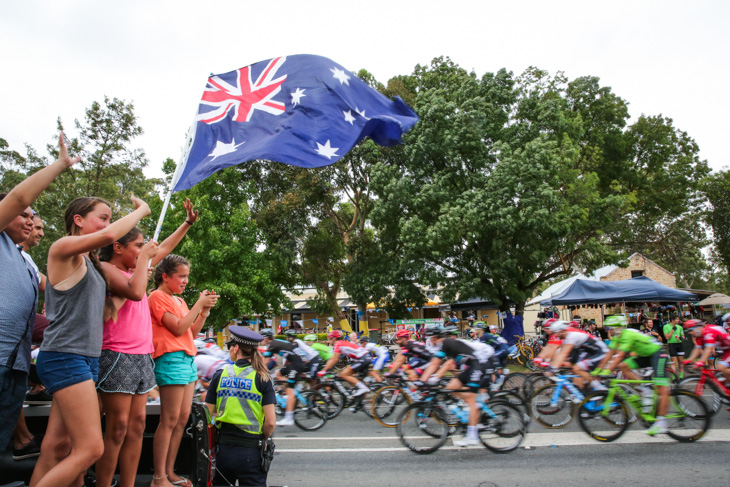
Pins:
<point x="265" y="388"/>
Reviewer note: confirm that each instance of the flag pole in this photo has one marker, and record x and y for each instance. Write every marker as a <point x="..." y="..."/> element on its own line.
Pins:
<point x="176" y="176"/>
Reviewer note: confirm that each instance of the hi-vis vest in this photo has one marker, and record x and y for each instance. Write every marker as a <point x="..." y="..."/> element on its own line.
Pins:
<point x="238" y="401"/>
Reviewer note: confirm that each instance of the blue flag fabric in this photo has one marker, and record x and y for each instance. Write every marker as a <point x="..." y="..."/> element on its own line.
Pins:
<point x="303" y="110"/>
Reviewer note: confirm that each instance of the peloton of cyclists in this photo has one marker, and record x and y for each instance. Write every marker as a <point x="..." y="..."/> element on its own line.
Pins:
<point x="709" y="340"/>
<point x="360" y="357"/>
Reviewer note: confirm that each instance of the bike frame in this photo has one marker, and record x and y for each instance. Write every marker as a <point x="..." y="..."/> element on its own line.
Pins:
<point x="710" y="375"/>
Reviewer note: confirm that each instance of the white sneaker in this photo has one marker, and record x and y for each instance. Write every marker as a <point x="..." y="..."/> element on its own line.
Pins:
<point x="657" y="429"/>
<point x="466" y="441"/>
<point x="360" y="392"/>
<point x="285" y="422"/>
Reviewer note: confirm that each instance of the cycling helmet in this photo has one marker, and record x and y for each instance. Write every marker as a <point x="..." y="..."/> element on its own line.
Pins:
<point x="548" y="323"/>
<point x="402" y="334"/>
<point x="334" y="334"/>
<point x="365" y="339"/>
<point x="479" y="325"/>
<point x="266" y="332"/>
<point x="310" y="338"/>
<point x="689" y="324"/>
<point x="616" y="320"/>
<point x="448" y="330"/>
<point x="290" y="333"/>
<point x="558" y="325"/>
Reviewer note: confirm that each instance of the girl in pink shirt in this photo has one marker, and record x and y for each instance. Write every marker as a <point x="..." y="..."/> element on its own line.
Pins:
<point x="125" y="367"/>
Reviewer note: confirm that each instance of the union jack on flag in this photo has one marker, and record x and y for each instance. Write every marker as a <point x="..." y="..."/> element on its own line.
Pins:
<point x="303" y="110"/>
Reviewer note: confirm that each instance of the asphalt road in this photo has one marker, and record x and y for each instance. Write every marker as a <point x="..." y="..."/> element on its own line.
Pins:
<point x="353" y="450"/>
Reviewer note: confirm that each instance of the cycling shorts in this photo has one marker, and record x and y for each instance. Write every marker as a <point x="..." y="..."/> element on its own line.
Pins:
<point x="360" y="365"/>
<point x="471" y="376"/>
<point x="417" y="362"/>
<point x="657" y="361"/>
<point x="292" y="371"/>
<point x="676" y="349"/>
<point x="314" y="366"/>
<point x="586" y="358"/>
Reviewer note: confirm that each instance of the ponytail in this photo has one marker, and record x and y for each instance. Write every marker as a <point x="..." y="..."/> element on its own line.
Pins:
<point x="258" y="363"/>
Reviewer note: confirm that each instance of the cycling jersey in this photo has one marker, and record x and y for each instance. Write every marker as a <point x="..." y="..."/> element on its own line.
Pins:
<point x="631" y="340"/>
<point x="584" y="340"/>
<point x="432" y="346"/>
<point x="349" y="349"/>
<point x="323" y="350"/>
<point x="463" y="351"/>
<point x="417" y="350"/>
<point x="284" y="349"/>
<point x="495" y="341"/>
<point x="381" y="354"/>
<point x="714" y="336"/>
<point x="305" y="351"/>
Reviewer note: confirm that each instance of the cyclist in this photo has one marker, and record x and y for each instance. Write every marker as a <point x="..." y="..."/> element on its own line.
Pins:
<point x="648" y="354"/>
<point x="708" y="341"/>
<point x="309" y="355"/>
<point x="474" y="358"/>
<point x="360" y="357"/>
<point x="292" y="367"/>
<point x="414" y="352"/>
<point x="323" y="350"/>
<point x="382" y="355"/>
<point x="501" y="351"/>
<point x="552" y="345"/>
<point x="581" y="349"/>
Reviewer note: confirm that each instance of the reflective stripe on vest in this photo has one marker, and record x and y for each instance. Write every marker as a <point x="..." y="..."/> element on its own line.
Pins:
<point x="246" y="412"/>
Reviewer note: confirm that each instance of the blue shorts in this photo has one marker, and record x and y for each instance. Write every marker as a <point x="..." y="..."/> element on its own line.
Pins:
<point x="380" y="361"/>
<point x="59" y="370"/>
<point x="174" y="369"/>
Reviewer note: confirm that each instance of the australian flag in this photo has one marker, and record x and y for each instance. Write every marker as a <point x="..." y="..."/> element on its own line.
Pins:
<point x="303" y="110"/>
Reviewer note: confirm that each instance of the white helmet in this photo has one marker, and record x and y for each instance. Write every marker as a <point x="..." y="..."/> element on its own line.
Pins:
<point x="558" y="326"/>
<point x="725" y="318"/>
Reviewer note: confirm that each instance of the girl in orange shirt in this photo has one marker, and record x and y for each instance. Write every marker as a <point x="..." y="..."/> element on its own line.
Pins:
<point x="174" y="327"/>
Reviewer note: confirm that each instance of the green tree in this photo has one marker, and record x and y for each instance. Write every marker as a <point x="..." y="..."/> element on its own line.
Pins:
<point x="717" y="189"/>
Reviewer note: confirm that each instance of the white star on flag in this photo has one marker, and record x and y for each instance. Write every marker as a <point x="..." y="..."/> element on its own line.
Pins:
<point x="327" y="150"/>
<point x="349" y="117"/>
<point x="221" y="148"/>
<point x="297" y="96"/>
<point x="340" y="75"/>
<point x="361" y="113"/>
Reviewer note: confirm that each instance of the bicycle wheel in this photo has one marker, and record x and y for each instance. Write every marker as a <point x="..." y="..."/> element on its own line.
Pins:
<point x="387" y="405"/>
<point x="513" y="382"/>
<point x="688" y="417"/>
<point x="525" y="355"/>
<point x="333" y="399"/>
<point x="533" y="383"/>
<point x="515" y="400"/>
<point x="710" y="394"/>
<point x="504" y="431"/>
<point x="422" y="428"/>
<point x="310" y="413"/>
<point x="603" y="421"/>
<point x="552" y="406"/>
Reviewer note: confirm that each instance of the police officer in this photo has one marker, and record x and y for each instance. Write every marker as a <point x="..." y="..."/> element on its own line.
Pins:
<point x="241" y="399"/>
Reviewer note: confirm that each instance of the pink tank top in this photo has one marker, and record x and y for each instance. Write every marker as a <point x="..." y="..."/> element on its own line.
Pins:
<point x="132" y="332"/>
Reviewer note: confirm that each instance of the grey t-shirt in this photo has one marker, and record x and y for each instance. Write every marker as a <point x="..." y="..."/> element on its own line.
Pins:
<point x="76" y="316"/>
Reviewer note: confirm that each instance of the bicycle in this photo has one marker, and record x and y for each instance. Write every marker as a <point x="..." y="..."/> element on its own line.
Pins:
<point x="309" y="412"/>
<point x="389" y="401"/>
<point x="607" y="417"/>
<point x="522" y="353"/>
<point x="336" y="397"/>
<point x="715" y="392"/>
<point x="425" y="425"/>
<point x="554" y="405"/>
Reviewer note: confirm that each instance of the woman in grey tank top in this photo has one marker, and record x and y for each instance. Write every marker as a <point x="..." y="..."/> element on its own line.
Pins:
<point x="69" y="357"/>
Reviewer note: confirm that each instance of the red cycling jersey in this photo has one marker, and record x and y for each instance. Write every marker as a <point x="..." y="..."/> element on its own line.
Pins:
<point x="715" y="336"/>
<point x="349" y="349"/>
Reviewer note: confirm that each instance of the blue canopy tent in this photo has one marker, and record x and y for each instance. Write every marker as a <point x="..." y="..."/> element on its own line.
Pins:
<point x="638" y="289"/>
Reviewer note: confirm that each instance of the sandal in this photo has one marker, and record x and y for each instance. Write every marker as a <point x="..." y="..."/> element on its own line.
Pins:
<point x="182" y="482"/>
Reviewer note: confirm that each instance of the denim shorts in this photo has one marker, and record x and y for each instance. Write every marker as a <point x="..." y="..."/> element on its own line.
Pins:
<point x="59" y="370"/>
<point x="175" y="368"/>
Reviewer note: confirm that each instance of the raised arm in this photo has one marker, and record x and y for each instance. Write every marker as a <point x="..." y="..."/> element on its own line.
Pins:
<point x="25" y="193"/>
<point x="195" y="319"/>
<point x="169" y="244"/>
<point x="133" y="287"/>
<point x="78" y="244"/>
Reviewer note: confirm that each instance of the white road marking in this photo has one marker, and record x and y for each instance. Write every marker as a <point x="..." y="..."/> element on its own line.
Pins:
<point x="532" y="440"/>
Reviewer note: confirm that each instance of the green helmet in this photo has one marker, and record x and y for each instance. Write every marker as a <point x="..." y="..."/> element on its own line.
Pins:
<point x="480" y="325"/>
<point x="310" y="338"/>
<point x="616" y="320"/>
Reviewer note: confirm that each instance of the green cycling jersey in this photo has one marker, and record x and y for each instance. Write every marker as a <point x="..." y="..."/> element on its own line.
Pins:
<point x="631" y="340"/>
<point x="323" y="350"/>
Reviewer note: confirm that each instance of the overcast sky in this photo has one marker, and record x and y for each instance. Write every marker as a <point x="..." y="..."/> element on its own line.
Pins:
<point x="59" y="56"/>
